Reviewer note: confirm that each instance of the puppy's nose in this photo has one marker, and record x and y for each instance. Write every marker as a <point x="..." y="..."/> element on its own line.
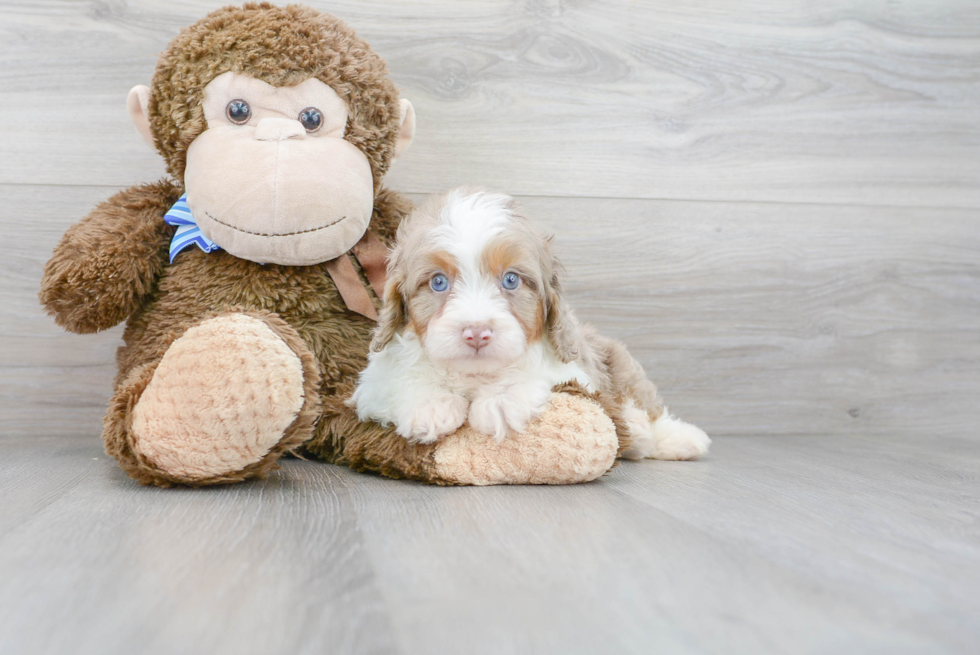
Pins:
<point x="279" y="129"/>
<point x="477" y="336"/>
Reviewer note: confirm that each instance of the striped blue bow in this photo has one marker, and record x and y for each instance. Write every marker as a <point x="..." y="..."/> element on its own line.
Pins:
<point x="187" y="230"/>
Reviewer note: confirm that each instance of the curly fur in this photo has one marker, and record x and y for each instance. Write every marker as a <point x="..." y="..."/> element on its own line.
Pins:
<point x="437" y="375"/>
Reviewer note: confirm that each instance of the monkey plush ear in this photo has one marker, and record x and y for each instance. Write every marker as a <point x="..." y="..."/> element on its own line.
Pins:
<point x="138" y="103"/>
<point x="407" y="131"/>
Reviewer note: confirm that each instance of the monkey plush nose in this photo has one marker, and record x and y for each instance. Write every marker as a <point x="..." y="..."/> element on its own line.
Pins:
<point x="279" y="129"/>
<point x="477" y="336"/>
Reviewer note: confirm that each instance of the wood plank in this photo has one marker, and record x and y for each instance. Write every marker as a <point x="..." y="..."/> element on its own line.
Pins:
<point x="833" y="101"/>
<point x="799" y="544"/>
<point x="101" y="565"/>
<point x="812" y="483"/>
<point x="752" y="318"/>
<point x="658" y="583"/>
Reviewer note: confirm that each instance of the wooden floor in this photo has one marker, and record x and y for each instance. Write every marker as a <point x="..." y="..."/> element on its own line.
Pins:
<point x="775" y="205"/>
<point x="773" y="545"/>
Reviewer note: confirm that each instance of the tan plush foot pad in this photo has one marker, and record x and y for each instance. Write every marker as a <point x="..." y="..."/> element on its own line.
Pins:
<point x="572" y="441"/>
<point x="221" y="398"/>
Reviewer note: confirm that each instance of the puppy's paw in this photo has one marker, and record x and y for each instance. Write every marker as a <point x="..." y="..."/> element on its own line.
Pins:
<point x="495" y="414"/>
<point x="434" y="418"/>
<point x="489" y="416"/>
<point x="667" y="438"/>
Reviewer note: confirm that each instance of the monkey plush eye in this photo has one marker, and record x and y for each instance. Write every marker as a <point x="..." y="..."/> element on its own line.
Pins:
<point x="439" y="282"/>
<point x="311" y="118"/>
<point x="510" y="281"/>
<point x="238" y="112"/>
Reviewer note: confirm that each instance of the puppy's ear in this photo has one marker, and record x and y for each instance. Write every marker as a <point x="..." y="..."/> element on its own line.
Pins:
<point x="561" y="325"/>
<point x="392" y="312"/>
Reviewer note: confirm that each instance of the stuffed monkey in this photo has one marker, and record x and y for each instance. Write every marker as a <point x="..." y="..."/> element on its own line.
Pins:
<point x="249" y="279"/>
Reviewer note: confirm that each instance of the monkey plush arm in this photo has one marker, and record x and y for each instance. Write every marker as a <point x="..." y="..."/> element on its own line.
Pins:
<point x="106" y="263"/>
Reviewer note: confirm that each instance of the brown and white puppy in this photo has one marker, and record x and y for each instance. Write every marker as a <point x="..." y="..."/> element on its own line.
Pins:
<point x="475" y="327"/>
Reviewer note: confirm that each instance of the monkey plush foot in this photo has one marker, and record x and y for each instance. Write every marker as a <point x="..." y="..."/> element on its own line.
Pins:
<point x="222" y="404"/>
<point x="572" y="441"/>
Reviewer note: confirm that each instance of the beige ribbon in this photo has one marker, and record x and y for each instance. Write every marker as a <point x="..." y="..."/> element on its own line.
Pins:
<point x="372" y="255"/>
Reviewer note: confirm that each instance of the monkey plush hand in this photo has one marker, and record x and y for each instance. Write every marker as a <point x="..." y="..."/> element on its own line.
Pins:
<point x="247" y="279"/>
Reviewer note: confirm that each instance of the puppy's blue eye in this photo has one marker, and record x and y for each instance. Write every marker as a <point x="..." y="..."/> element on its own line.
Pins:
<point x="510" y="281"/>
<point x="439" y="282"/>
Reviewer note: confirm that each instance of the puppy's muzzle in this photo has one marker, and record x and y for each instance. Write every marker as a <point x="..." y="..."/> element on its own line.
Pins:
<point x="477" y="336"/>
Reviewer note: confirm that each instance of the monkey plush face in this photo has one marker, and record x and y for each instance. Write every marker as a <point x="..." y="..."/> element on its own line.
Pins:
<point x="280" y="122"/>
<point x="272" y="178"/>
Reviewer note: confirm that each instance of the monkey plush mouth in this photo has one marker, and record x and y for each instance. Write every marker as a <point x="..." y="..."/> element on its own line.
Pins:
<point x="275" y="234"/>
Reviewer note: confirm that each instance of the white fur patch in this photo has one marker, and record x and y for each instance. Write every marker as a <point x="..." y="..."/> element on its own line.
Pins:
<point x="468" y="223"/>
<point x="666" y="438"/>
<point x="424" y="400"/>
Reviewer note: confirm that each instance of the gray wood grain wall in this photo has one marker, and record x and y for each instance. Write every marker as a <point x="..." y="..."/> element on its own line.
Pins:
<point x="775" y="204"/>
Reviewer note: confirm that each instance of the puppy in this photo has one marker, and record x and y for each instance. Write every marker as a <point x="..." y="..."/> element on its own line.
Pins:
<point x="475" y="328"/>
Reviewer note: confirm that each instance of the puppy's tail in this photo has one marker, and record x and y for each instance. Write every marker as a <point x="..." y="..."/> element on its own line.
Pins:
<point x="651" y="431"/>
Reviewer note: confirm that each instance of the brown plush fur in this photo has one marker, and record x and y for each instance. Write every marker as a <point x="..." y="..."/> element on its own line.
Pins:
<point x="281" y="46"/>
<point x="300" y="303"/>
<point x="344" y="439"/>
<point x="106" y="265"/>
<point x="113" y="264"/>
